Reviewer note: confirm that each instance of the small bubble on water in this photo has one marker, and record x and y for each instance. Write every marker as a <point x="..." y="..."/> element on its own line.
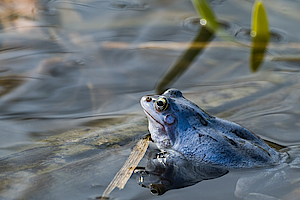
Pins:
<point x="253" y="33"/>
<point x="203" y="22"/>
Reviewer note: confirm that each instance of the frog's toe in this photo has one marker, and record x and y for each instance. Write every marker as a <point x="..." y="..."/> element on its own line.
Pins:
<point x="158" y="189"/>
<point x="139" y="170"/>
<point x="157" y="184"/>
<point x="145" y="179"/>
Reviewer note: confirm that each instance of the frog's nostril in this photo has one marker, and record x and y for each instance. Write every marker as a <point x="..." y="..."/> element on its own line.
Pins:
<point x="148" y="99"/>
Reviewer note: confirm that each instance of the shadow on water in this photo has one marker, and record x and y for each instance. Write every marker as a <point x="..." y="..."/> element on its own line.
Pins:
<point x="205" y="34"/>
<point x="185" y="60"/>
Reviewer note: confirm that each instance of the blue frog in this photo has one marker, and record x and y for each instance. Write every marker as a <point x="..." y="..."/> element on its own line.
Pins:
<point x="194" y="145"/>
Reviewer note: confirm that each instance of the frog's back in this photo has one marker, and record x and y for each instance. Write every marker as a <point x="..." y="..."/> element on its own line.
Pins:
<point x="226" y="144"/>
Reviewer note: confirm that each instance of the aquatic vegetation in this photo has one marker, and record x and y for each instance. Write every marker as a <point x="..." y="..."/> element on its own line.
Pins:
<point x="184" y="62"/>
<point x="208" y="17"/>
<point x="260" y="34"/>
<point x="209" y="27"/>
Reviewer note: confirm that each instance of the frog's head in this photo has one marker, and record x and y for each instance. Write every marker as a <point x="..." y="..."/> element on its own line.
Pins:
<point x="170" y="114"/>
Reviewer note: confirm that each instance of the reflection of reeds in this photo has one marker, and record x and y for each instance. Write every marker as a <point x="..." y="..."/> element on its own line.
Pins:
<point x="260" y="33"/>
<point x="12" y="10"/>
<point x="208" y="29"/>
<point x="210" y="26"/>
<point x="9" y="83"/>
<point x="17" y="8"/>
<point x="184" y="61"/>
<point x="179" y="46"/>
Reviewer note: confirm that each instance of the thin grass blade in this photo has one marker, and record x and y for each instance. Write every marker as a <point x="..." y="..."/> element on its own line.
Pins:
<point x="208" y="17"/>
<point x="260" y="34"/>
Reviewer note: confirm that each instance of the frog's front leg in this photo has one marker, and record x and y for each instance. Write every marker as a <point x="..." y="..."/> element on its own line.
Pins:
<point x="171" y="170"/>
<point x="160" y="173"/>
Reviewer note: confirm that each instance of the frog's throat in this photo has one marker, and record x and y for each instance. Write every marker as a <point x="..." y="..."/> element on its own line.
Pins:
<point x="163" y="127"/>
<point x="158" y="134"/>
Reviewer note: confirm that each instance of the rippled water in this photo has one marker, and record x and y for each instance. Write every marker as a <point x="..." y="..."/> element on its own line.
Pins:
<point x="84" y="64"/>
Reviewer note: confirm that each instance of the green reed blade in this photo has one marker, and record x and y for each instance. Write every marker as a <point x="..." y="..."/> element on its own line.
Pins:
<point x="208" y="17"/>
<point x="260" y="34"/>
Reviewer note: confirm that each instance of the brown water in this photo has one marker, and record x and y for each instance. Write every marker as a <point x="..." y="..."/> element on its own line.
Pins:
<point x="67" y="65"/>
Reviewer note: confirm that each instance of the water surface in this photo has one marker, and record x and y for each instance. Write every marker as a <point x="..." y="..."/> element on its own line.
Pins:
<point x="83" y="66"/>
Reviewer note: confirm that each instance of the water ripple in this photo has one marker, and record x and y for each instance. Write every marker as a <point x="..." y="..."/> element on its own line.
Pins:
<point x="276" y="35"/>
<point x="191" y="24"/>
<point x="124" y="5"/>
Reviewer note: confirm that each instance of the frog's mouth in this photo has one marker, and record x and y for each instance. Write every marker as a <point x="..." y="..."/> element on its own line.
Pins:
<point x="162" y="126"/>
<point x="158" y="132"/>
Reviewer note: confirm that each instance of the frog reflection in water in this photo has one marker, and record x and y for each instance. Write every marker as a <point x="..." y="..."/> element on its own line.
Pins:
<point x="195" y="146"/>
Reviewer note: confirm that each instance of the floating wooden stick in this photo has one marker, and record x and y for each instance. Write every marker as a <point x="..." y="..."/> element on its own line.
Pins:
<point x="126" y="171"/>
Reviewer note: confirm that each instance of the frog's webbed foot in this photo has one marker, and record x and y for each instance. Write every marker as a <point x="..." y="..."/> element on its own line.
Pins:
<point x="157" y="175"/>
<point x="170" y="170"/>
<point x="156" y="185"/>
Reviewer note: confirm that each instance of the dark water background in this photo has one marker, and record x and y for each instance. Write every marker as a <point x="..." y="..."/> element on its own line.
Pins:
<point x="66" y="65"/>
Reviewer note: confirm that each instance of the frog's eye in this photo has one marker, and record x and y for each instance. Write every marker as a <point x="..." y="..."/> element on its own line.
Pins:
<point x="161" y="104"/>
